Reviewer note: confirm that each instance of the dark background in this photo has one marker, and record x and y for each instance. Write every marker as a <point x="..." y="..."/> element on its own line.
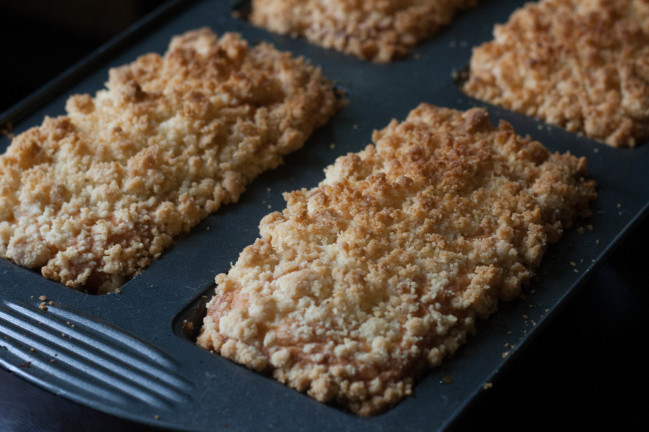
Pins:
<point x="586" y="369"/>
<point x="39" y="39"/>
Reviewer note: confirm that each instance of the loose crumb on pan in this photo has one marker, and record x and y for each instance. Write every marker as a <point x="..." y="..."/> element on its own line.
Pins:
<point x="92" y="197"/>
<point x="6" y="129"/>
<point x="376" y="30"/>
<point x="580" y="65"/>
<point x="382" y="269"/>
<point x="447" y="379"/>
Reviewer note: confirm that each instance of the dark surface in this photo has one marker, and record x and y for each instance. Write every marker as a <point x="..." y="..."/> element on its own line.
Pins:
<point x="586" y="368"/>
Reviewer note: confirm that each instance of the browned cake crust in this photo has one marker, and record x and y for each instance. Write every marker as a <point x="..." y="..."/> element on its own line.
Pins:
<point x="579" y="64"/>
<point x="92" y="197"/>
<point x="377" y="30"/>
<point x="384" y="267"/>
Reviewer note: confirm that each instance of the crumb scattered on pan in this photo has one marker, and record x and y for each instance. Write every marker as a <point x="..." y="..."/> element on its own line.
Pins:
<point x="382" y="270"/>
<point x="376" y="30"/>
<point x="447" y="379"/>
<point x="6" y="130"/>
<point x="580" y="65"/>
<point x="188" y="326"/>
<point x="91" y="197"/>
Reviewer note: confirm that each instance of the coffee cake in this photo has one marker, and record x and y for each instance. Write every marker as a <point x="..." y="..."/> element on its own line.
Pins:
<point x="376" y="30"/>
<point x="383" y="268"/>
<point x="581" y="65"/>
<point x="91" y="197"/>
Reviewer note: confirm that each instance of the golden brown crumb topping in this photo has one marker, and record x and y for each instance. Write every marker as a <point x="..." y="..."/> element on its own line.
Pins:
<point x="581" y="65"/>
<point x="93" y="196"/>
<point x="384" y="267"/>
<point x="377" y="30"/>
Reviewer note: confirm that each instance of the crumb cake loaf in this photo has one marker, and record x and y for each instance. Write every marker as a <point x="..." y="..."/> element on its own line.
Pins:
<point x="581" y="65"/>
<point x="376" y="30"/>
<point x="93" y="196"/>
<point x="384" y="267"/>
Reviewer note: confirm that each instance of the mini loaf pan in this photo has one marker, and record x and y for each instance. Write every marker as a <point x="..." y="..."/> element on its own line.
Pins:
<point x="133" y="354"/>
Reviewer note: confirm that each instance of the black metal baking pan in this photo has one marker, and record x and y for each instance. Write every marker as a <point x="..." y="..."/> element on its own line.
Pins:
<point x="132" y="354"/>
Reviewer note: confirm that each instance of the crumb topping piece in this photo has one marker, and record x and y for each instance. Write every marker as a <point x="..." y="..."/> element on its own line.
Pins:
<point x="383" y="268"/>
<point x="376" y="30"/>
<point x="580" y="65"/>
<point x="93" y="196"/>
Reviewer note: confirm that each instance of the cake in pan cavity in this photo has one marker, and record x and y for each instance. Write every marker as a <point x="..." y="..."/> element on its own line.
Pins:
<point x="376" y="30"/>
<point x="92" y="197"/>
<point x="581" y="65"/>
<point x="381" y="271"/>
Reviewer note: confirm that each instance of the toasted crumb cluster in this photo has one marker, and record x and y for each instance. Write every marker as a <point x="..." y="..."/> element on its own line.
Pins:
<point x="581" y="65"/>
<point x="92" y="197"/>
<point x="377" y="30"/>
<point x="382" y="269"/>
